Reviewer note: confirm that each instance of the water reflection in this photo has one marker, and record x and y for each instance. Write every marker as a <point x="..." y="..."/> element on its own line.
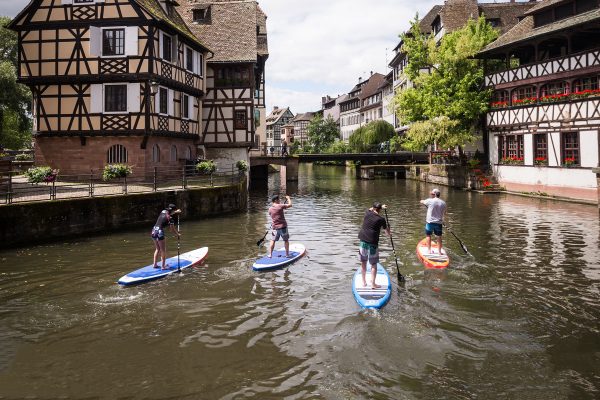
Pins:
<point x="519" y="319"/>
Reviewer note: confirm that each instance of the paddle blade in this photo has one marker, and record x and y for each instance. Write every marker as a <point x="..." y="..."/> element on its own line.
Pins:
<point x="260" y="242"/>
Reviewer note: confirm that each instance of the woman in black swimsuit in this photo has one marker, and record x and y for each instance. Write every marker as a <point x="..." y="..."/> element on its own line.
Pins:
<point x="158" y="234"/>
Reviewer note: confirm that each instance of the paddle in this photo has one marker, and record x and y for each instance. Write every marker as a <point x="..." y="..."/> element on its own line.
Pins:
<point x="459" y="241"/>
<point x="178" y="245"/>
<point x="400" y="277"/>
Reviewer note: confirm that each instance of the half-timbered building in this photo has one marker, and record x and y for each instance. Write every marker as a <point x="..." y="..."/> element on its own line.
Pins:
<point x="275" y="122"/>
<point x="544" y="122"/>
<point x="234" y="105"/>
<point x="113" y="81"/>
<point x="301" y="122"/>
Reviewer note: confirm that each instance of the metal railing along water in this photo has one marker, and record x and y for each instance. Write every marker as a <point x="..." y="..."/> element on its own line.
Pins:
<point x="16" y="188"/>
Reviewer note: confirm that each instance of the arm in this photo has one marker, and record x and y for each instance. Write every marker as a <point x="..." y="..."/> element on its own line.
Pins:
<point x="388" y="231"/>
<point x="289" y="202"/>
<point x="423" y="202"/>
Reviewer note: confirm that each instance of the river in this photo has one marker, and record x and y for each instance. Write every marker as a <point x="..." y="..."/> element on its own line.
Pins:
<point x="518" y="320"/>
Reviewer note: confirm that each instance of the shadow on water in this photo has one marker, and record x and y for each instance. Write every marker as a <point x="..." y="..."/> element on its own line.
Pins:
<point x="519" y="319"/>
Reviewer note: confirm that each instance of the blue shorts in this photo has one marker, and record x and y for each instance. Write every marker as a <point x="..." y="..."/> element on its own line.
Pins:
<point x="157" y="233"/>
<point x="280" y="233"/>
<point x="433" y="228"/>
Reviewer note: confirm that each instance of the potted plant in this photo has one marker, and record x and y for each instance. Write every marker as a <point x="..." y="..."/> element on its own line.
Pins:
<point x="41" y="174"/>
<point x="570" y="162"/>
<point x="242" y="166"/>
<point x="540" y="161"/>
<point x="207" y="167"/>
<point x="113" y="171"/>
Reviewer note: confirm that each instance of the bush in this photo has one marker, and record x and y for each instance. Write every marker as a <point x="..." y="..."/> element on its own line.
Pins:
<point x="339" y="147"/>
<point x="41" y="174"/>
<point x="112" y="171"/>
<point x="23" y="157"/>
<point x="242" y="166"/>
<point x="206" y="167"/>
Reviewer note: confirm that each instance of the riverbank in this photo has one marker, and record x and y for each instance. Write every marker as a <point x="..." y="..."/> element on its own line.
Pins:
<point x="38" y="222"/>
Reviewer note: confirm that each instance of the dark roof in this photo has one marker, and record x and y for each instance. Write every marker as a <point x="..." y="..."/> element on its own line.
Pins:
<point x="231" y="32"/>
<point x="456" y="13"/>
<point x="152" y="7"/>
<point x="427" y="20"/>
<point x="307" y="116"/>
<point x="276" y="114"/>
<point x="540" y="5"/>
<point x="525" y="30"/>
<point x="509" y="14"/>
<point x="373" y="86"/>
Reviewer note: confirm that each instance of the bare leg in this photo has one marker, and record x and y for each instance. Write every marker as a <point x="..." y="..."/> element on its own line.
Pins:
<point x="163" y="253"/>
<point x="439" y="244"/>
<point x="429" y="244"/>
<point x="363" y="265"/>
<point x="373" y="276"/>
<point x="287" y="248"/>
<point x="156" y="251"/>
<point x="271" y="247"/>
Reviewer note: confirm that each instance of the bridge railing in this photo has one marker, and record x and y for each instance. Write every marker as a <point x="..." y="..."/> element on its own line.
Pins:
<point x="270" y="151"/>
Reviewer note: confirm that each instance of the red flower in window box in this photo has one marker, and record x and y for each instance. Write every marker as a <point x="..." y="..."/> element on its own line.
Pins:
<point x="540" y="161"/>
<point x="569" y="161"/>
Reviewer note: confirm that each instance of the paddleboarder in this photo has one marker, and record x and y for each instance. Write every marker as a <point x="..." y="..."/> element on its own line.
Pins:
<point x="166" y="217"/>
<point x="279" y="224"/>
<point x="436" y="210"/>
<point x="369" y="241"/>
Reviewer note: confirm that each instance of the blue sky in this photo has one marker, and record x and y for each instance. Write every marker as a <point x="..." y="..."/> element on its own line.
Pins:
<point x="321" y="47"/>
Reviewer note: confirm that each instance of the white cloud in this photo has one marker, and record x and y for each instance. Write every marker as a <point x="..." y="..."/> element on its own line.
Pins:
<point x="326" y="45"/>
<point x="298" y="101"/>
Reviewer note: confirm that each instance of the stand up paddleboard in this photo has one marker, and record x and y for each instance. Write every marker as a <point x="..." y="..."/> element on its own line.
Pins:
<point x="433" y="259"/>
<point x="372" y="298"/>
<point x="278" y="259"/>
<point x="149" y="273"/>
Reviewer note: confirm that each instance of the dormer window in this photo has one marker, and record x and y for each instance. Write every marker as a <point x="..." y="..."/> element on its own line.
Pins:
<point x="201" y="15"/>
<point x="436" y="26"/>
<point x="494" y="22"/>
<point x="167" y="47"/>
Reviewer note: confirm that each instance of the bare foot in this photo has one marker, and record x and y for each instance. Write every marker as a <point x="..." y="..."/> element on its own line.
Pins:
<point x="375" y="286"/>
<point x="269" y="255"/>
<point x="288" y="256"/>
<point x="163" y="268"/>
<point x="365" y="283"/>
<point x="156" y="266"/>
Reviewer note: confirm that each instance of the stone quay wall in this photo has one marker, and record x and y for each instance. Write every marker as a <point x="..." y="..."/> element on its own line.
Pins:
<point x="449" y="175"/>
<point x="31" y="223"/>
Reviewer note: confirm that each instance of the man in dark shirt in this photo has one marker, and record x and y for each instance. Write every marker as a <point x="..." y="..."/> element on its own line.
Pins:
<point x="369" y="240"/>
<point x="165" y="218"/>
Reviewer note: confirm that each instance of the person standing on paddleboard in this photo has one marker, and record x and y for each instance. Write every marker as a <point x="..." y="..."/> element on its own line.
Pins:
<point x="158" y="234"/>
<point x="436" y="210"/>
<point x="279" y="224"/>
<point x="369" y="241"/>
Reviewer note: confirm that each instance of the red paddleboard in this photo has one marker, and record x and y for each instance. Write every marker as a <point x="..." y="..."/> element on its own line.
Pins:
<point x="432" y="259"/>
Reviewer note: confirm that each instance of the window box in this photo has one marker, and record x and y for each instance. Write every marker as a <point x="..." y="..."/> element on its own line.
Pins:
<point x="570" y="162"/>
<point x="499" y="104"/>
<point x="541" y="161"/>
<point x="512" y="160"/>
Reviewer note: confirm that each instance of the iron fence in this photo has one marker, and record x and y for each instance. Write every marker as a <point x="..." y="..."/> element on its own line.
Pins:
<point x="17" y="189"/>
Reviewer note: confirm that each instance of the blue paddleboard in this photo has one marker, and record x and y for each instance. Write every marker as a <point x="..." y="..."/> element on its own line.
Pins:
<point x="149" y="273"/>
<point x="372" y="298"/>
<point x="279" y="259"/>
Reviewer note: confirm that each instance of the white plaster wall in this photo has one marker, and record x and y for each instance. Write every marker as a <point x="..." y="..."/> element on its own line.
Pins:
<point x="589" y="145"/>
<point x="225" y="157"/>
<point x="493" y="143"/>
<point x="562" y="177"/>
<point x="528" y="149"/>
<point x="554" y="149"/>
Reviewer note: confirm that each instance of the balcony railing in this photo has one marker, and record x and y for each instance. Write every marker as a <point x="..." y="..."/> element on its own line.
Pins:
<point x="571" y="62"/>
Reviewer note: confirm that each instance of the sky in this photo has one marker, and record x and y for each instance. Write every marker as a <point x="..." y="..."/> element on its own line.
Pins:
<point x="320" y="47"/>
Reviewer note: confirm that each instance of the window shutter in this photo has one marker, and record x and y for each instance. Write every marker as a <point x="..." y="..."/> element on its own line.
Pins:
<point x="175" y="50"/>
<point x="200" y="64"/>
<point x="66" y="2"/>
<point x="160" y="44"/>
<point x="131" y="41"/>
<point x="191" y="101"/>
<point x="95" y="41"/>
<point x="170" y="103"/>
<point x="96" y="98"/>
<point x="133" y="97"/>
<point x="156" y="99"/>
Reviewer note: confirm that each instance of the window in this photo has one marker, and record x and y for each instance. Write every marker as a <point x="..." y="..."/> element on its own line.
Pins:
<point x="117" y="154"/>
<point x="564" y="11"/>
<point x="185" y="106"/>
<point x="543" y="18"/>
<point x="524" y="95"/>
<point x="436" y="26"/>
<point x="173" y="153"/>
<point x="113" y="42"/>
<point x="589" y="83"/>
<point x="500" y="96"/>
<point x="555" y="88"/>
<point x="540" y="148"/>
<point x="83" y="1"/>
<point x="155" y="153"/>
<point x="510" y="149"/>
<point x="240" y="119"/>
<point x="189" y="59"/>
<point x="188" y="153"/>
<point x="570" y="148"/>
<point x="115" y="98"/>
<point x="494" y="22"/>
<point x="163" y="98"/>
<point x="167" y="45"/>
<point x="232" y="77"/>
<point x="201" y="15"/>
<point x="586" y="5"/>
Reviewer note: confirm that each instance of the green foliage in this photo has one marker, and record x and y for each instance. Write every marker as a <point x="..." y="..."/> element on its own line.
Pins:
<point x="294" y="147"/>
<point x="207" y="167"/>
<point x="339" y="147"/>
<point x="322" y="133"/>
<point x="374" y="133"/>
<point x="41" y="174"/>
<point x="447" y="83"/>
<point x="15" y="98"/>
<point x="113" y="171"/>
<point x="242" y="165"/>
<point x="23" y="157"/>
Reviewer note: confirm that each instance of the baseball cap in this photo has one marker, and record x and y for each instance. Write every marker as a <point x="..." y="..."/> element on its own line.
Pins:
<point x="377" y="205"/>
<point x="275" y="197"/>
<point x="171" y="207"/>
<point x="435" y="191"/>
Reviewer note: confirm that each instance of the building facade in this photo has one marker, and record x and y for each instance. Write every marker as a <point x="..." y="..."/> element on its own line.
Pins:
<point x="112" y="82"/>
<point x="543" y="127"/>
<point x="234" y="104"/>
<point x="350" y="111"/>
<point x="371" y="99"/>
<point x="301" y="122"/>
<point x="274" y="123"/>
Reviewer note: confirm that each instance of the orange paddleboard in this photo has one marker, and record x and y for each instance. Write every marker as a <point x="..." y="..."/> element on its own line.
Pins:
<point x="432" y="259"/>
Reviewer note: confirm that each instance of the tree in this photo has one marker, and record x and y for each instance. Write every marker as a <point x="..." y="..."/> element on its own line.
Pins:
<point x="322" y="133"/>
<point x="15" y="98"/>
<point x="447" y="96"/>
<point x="374" y="133"/>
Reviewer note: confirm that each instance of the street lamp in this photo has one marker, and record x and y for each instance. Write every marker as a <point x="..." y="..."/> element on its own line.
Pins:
<point x="153" y="87"/>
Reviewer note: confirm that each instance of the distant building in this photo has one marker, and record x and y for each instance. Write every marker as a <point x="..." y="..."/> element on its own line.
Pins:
<point x="301" y="122"/>
<point x="275" y="122"/>
<point x="387" y="92"/>
<point x="234" y="105"/>
<point x="543" y="128"/>
<point x="350" y="111"/>
<point x="371" y="99"/>
<point x="331" y="108"/>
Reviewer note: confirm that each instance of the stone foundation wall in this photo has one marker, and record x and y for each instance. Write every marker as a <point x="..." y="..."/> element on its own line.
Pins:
<point x="29" y="223"/>
<point x="449" y="175"/>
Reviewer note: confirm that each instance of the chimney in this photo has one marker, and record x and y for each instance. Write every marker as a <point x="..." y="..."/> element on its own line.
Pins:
<point x="275" y="108"/>
<point x="360" y="79"/>
<point x="371" y="73"/>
